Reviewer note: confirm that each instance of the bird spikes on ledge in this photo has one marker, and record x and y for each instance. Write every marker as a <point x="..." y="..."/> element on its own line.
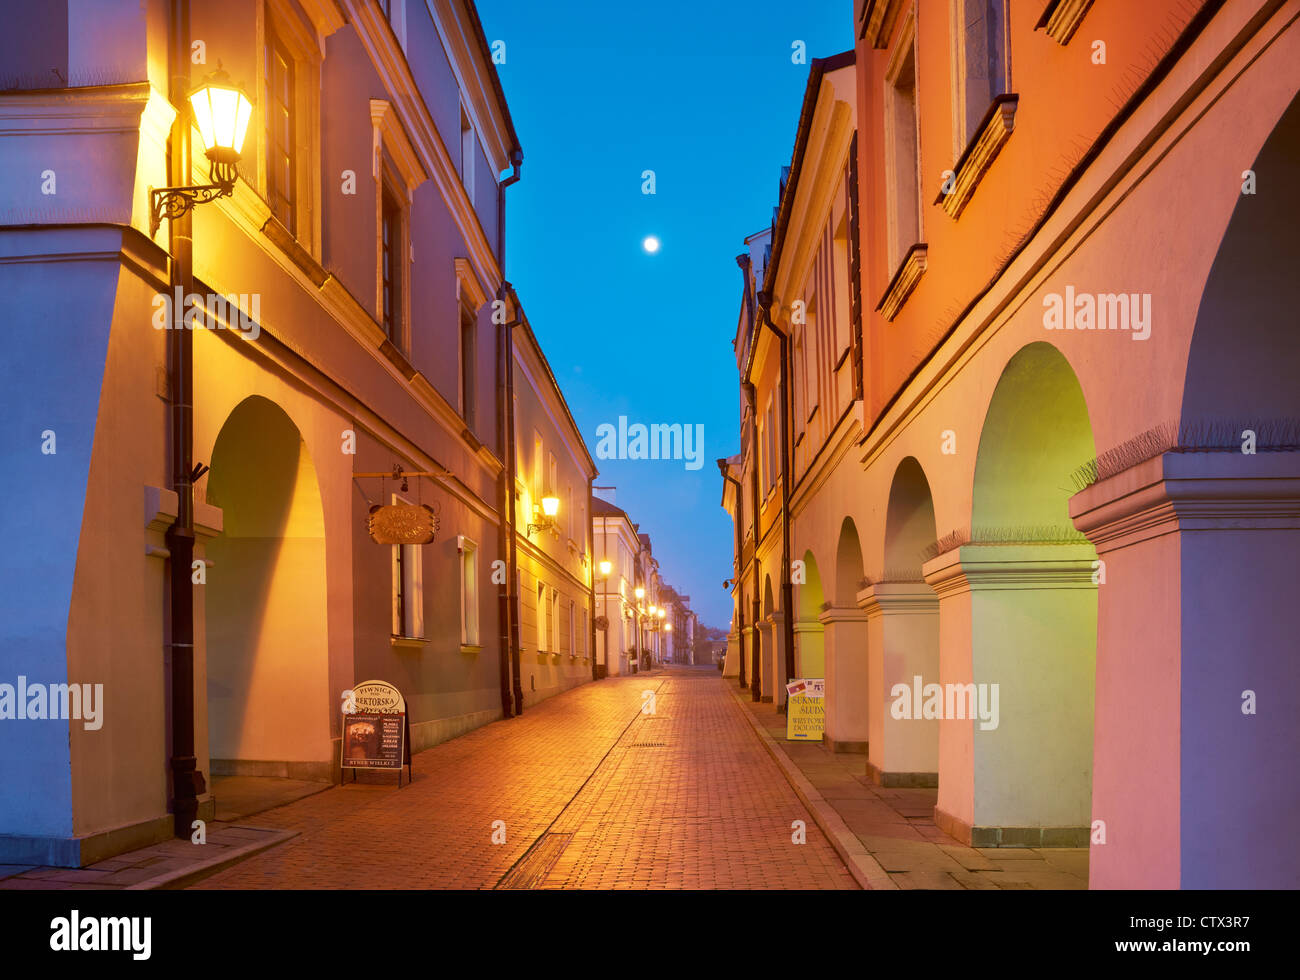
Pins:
<point x="1205" y="435"/>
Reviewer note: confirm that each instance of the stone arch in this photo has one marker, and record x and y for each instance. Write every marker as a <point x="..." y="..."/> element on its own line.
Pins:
<point x="848" y="564"/>
<point x="903" y="638"/>
<point x="1018" y="622"/>
<point x="1245" y="352"/>
<point x="765" y="668"/>
<point x="1199" y="615"/>
<point x="267" y="652"/>
<point x="844" y="640"/>
<point x="909" y="522"/>
<point x="810" y="652"/>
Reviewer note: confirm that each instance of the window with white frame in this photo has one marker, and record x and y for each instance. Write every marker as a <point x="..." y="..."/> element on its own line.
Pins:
<point x="555" y="621"/>
<point x="467" y="147"/>
<point x="392" y="265"/>
<point x="573" y="634"/>
<point x="408" y="588"/>
<point x="287" y="133"/>
<point x="980" y="64"/>
<point x="468" y="358"/>
<point x="397" y="171"/>
<point x="541" y="618"/>
<point x="281" y="118"/>
<point x="902" y="147"/>
<point x="537" y="466"/>
<point x="469" y="589"/>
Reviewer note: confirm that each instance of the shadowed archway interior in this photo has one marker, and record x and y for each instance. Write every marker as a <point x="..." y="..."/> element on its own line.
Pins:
<point x="1033" y="607"/>
<point x="267" y="653"/>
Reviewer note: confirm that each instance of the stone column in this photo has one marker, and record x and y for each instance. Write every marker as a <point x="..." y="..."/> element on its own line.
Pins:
<point x="1022" y="617"/>
<point x="765" y="660"/>
<point x="845" y="639"/>
<point x="731" y="664"/>
<point x="902" y="645"/>
<point x="1198" y="705"/>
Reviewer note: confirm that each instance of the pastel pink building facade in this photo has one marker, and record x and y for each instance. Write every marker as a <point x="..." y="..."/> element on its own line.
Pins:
<point x="1068" y="464"/>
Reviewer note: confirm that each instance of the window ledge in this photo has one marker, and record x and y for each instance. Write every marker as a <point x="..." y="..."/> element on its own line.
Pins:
<point x="1061" y="18"/>
<point x="409" y="642"/>
<point x="994" y="131"/>
<point x="470" y="648"/>
<point x="905" y="279"/>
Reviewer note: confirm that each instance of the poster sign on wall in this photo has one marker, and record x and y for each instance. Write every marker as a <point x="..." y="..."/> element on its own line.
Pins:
<point x="805" y="719"/>
<point x="376" y="730"/>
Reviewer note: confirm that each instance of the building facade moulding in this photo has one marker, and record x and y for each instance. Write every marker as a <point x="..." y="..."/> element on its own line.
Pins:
<point x="876" y="20"/>
<point x="897" y="598"/>
<point x="905" y="279"/>
<point x="841" y="614"/>
<point x="1061" y="18"/>
<point x="1190" y="492"/>
<point x="993" y="134"/>
<point x="999" y="567"/>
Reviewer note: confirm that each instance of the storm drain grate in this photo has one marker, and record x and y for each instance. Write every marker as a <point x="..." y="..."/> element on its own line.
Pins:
<point x="648" y="745"/>
<point x="536" y="863"/>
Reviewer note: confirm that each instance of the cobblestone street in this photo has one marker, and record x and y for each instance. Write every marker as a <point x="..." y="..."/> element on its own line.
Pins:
<point x="593" y="793"/>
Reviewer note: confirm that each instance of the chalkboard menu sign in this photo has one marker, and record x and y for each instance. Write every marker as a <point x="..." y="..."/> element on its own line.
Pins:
<point x="376" y="732"/>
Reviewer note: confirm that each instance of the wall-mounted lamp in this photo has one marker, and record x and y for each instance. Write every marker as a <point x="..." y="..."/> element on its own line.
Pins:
<point x="545" y="518"/>
<point x="221" y="111"/>
<point x="604" y="569"/>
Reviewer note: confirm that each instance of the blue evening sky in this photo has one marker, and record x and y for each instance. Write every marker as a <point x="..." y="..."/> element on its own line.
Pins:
<point x="705" y="94"/>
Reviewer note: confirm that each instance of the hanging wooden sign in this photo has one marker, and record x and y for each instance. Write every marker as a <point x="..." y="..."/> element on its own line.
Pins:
<point x="402" y="523"/>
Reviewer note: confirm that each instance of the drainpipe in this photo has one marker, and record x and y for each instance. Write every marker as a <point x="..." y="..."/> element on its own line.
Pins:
<point x="787" y="588"/>
<point x="505" y="441"/>
<point x="740" y="548"/>
<point x="591" y="583"/>
<point x="755" y="680"/>
<point x="512" y="573"/>
<point x="187" y="781"/>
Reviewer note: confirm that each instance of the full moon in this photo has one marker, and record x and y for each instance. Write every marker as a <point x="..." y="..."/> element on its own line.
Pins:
<point x="651" y="244"/>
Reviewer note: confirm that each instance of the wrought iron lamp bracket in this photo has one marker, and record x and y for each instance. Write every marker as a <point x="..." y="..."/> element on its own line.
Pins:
<point x="172" y="202"/>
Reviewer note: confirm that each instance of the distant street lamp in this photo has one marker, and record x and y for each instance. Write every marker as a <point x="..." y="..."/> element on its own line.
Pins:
<point x="221" y="110"/>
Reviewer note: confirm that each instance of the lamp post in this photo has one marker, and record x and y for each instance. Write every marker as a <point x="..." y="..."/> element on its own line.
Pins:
<point x="222" y="112"/>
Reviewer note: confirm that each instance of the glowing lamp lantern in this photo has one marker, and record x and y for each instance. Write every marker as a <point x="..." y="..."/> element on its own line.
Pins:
<point x="640" y="592"/>
<point x="604" y="569"/>
<point x="221" y="111"/>
<point x="662" y="613"/>
<point x="550" y="507"/>
<point x="668" y="627"/>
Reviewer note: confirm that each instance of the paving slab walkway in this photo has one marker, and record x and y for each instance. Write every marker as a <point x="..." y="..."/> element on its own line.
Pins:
<point x="894" y="827"/>
<point x="584" y="790"/>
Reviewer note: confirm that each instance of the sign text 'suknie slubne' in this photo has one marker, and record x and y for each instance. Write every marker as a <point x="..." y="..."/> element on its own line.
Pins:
<point x="805" y="719"/>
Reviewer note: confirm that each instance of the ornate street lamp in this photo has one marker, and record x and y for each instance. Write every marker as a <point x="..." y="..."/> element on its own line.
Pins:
<point x="221" y="111"/>
<point x="546" y="517"/>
